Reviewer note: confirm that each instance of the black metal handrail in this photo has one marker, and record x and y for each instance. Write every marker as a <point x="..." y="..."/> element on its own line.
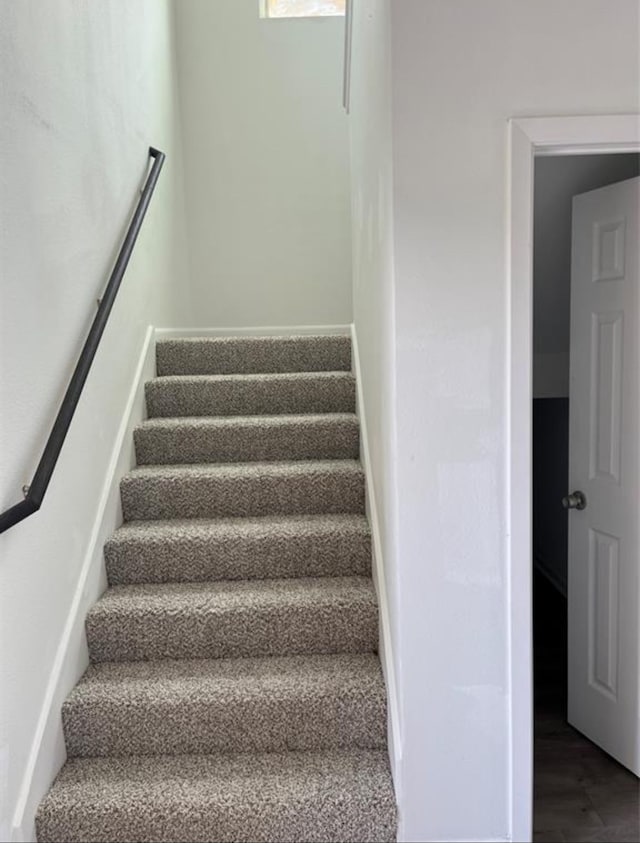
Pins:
<point x="34" y="493"/>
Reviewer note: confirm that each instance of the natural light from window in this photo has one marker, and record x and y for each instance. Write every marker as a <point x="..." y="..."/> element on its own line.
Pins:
<point x="301" y="8"/>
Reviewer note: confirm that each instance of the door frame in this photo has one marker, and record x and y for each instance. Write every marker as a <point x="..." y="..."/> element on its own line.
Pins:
<point x="530" y="138"/>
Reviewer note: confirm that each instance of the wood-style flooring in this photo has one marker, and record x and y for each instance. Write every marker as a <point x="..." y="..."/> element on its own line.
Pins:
<point x="580" y="792"/>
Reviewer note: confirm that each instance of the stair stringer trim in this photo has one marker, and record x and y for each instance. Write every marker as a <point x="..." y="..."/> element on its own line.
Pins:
<point x="47" y="753"/>
<point x="379" y="581"/>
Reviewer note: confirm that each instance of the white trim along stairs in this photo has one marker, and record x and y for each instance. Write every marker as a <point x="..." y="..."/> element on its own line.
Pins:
<point x="234" y="690"/>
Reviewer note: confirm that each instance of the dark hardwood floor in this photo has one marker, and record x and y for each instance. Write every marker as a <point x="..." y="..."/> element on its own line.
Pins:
<point x="580" y="792"/>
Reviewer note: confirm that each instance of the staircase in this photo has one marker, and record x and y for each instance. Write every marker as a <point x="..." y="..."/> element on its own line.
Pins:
<point x="234" y="691"/>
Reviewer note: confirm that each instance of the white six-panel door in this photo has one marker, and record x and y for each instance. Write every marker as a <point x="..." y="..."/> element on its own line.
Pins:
<point x="604" y="464"/>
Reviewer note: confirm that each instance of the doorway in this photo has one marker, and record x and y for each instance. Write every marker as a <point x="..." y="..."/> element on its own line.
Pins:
<point x="580" y="791"/>
<point x="530" y="138"/>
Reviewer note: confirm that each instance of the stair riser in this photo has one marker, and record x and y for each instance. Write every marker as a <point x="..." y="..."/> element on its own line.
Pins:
<point x="249" y="355"/>
<point x="243" y="632"/>
<point x="331" y="440"/>
<point x="235" y="397"/>
<point x="148" y="497"/>
<point x="267" y="724"/>
<point x="267" y="557"/>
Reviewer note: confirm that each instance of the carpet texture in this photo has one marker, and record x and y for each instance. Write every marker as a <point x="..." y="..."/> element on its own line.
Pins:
<point x="247" y="438"/>
<point x="253" y="355"/>
<point x="237" y="618"/>
<point x="227" y="705"/>
<point x="343" y="796"/>
<point x="234" y="691"/>
<point x="268" y="547"/>
<point x="242" y="489"/>
<point x="251" y="395"/>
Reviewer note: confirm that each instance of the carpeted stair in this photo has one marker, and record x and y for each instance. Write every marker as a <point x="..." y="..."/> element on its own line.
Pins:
<point x="234" y="691"/>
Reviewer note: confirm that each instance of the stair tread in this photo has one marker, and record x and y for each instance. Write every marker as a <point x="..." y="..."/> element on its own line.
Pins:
<point x="247" y="469"/>
<point x="254" y="354"/>
<point x="263" y="547"/>
<point x="312" y="795"/>
<point x="258" y="377"/>
<point x="227" y="680"/>
<point x="263" y="394"/>
<point x="228" y="439"/>
<point x="241" y="527"/>
<point x="102" y="778"/>
<point x="232" y="489"/>
<point x="215" y="422"/>
<point x="272" y="704"/>
<point x="233" y="619"/>
<point x="219" y="596"/>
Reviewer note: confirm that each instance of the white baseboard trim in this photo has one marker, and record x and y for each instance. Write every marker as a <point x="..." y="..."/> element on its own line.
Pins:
<point x="386" y="647"/>
<point x="265" y="331"/>
<point x="47" y="749"/>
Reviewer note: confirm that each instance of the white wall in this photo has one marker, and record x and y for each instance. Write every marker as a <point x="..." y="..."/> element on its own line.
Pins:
<point x="557" y="180"/>
<point x="373" y="294"/>
<point x="266" y="158"/>
<point x="86" y="88"/>
<point x="460" y="69"/>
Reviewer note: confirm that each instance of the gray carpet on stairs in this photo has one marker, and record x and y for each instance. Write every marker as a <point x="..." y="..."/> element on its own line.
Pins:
<point x="266" y="547"/>
<point x="251" y="395"/>
<point x="235" y="618"/>
<point x="242" y="489"/>
<point x="227" y="705"/>
<point x="163" y="441"/>
<point x="252" y="355"/>
<point x="234" y="691"/>
<point x="340" y="795"/>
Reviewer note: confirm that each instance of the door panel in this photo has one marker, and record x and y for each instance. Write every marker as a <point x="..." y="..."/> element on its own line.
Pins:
<point x="603" y="611"/>
<point x="604" y="463"/>
<point x="606" y="395"/>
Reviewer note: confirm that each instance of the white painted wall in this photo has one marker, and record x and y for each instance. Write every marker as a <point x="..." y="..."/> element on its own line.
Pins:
<point x="374" y="309"/>
<point x="86" y="88"/>
<point x="557" y="180"/>
<point x="267" y="165"/>
<point x="460" y="69"/>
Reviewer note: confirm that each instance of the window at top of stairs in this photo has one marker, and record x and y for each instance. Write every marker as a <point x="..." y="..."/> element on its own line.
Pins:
<point x="301" y="8"/>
